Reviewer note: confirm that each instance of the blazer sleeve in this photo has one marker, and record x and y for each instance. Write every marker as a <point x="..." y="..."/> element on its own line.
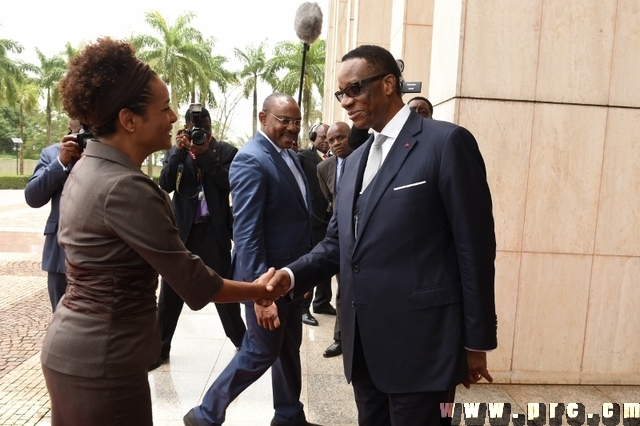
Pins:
<point x="248" y="181"/>
<point x="157" y="241"/>
<point x="47" y="179"/>
<point x="322" y="180"/>
<point x="465" y="194"/>
<point x="322" y="263"/>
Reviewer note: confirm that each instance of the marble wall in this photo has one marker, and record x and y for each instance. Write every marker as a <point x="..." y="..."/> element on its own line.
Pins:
<point x="550" y="91"/>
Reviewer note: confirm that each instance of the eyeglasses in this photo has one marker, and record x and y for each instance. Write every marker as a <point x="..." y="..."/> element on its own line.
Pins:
<point x="352" y="90"/>
<point x="286" y="121"/>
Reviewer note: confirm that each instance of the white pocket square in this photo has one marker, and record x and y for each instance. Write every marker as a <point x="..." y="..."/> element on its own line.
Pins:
<point x="397" y="188"/>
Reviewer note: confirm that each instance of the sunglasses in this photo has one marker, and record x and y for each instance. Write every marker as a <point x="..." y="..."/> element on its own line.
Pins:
<point x="352" y="90"/>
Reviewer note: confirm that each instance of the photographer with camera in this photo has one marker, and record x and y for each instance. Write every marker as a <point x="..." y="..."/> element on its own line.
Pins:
<point x="196" y="170"/>
<point x="46" y="185"/>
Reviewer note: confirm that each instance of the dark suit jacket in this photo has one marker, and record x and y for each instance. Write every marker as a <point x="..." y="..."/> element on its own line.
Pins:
<point x="420" y="276"/>
<point x="46" y="185"/>
<point x="214" y="165"/>
<point x="271" y="221"/>
<point x="327" y="178"/>
<point x="309" y="159"/>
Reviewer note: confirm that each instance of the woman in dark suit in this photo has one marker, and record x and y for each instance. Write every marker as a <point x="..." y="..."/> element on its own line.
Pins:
<point x="119" y="233"/>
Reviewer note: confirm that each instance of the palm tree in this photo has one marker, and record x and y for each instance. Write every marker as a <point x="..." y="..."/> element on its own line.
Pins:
<point x="288" y="56"/>
<point x="70" y="51"/>
<point x="182" y="58"/>
<point x="11" y="71"/>
<point x="254" y="62"/>
<point x="27" y="100"/>
<point x="49" y="73"/>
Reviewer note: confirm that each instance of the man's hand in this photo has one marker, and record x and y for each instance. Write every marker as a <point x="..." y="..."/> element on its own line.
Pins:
<point x="476" y="368"/>
<point x="267" y="316"/>
<point x="182" y="140"/>
<point x="69" y="150"/>
<point x="280" y="283"/>
<point x="268" y="295"/>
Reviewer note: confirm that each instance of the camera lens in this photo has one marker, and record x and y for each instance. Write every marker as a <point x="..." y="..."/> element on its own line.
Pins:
<point x="197" y="137"/>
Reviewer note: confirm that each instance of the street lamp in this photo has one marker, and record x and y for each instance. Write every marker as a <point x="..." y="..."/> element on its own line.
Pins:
<point x="17" y="147"/>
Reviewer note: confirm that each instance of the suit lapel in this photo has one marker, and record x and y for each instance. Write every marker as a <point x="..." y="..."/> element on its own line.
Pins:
<point x="283" y="168"/>
<point x="332" y="169"/>
<point x="307" y="189"/>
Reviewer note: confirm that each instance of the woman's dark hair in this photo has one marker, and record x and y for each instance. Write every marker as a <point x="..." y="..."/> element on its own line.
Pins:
<point x="104" y="78"/>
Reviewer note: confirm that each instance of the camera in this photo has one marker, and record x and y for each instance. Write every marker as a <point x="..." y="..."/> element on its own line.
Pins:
<point x="197" y="133"/>
<point x="82" y="137"/>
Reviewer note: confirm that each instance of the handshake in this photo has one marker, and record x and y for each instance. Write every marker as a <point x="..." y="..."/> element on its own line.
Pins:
<point x="272" y="285"/>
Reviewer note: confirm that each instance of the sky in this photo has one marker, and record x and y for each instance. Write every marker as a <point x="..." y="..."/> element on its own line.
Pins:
<point x="49" y="24"/>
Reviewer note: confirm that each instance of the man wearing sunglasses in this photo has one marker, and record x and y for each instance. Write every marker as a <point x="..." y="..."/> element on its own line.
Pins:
<point x="413" y="239"/>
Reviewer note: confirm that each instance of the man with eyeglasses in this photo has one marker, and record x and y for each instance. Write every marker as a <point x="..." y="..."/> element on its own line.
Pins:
<point x="421" y="106"/>
<point x="272" y="227"/>
<point x="413" y="238"/>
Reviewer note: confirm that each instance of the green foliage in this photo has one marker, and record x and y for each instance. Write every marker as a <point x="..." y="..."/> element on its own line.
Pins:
<point x="8" y="129"/>
<point x="183" y="57"/>
<point x="11" y="71"/>
<point x="34" y="130"/>
<point x="49" y="73"/>
<point x="13" y="181"/>
<point x="254" y="61"/>
<point x="287" y="56"/>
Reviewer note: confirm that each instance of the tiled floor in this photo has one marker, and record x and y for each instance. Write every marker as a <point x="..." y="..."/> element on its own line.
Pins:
<point x="201" y="351"/>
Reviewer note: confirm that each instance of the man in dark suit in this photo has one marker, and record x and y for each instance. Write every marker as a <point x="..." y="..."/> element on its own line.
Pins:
<point x="198" y="175"/>
<point x="329" y="174"/>
<point x="46" y="185"/>
<point x="272" y="226"/>
<point x="413" y="237"/>
<point x="310" y="158"/>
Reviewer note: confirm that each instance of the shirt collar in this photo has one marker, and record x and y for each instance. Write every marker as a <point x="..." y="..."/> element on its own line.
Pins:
<point x="395" y="125"/>
<point x="270" y="141"/>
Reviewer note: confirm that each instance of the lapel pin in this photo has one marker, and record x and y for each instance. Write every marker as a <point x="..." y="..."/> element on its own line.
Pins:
<point x="406" y="145"/>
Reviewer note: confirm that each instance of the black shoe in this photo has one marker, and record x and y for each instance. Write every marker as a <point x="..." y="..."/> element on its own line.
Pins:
<point x="190" y="418"/>
<point x="158" y="362"/>
<point x="308" y="319"/>
<point x="329" y="310"/>
<point x="304" y="423"/>
<point x="334" y="349"/>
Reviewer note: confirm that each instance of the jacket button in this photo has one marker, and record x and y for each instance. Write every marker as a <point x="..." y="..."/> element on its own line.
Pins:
<point x="356" y="268"/>
<point x="353" y="304"/>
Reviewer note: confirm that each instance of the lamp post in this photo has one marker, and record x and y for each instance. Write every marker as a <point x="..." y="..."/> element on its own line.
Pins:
<point x="17" y="147"/>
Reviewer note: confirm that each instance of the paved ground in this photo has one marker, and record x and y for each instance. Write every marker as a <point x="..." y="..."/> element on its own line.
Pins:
<point x="200" y="352"/>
